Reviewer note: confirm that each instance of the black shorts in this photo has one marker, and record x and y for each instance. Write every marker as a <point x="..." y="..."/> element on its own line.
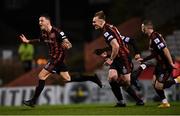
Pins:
<point x="123" y="65"/>
<point x="162" y="72"/>
<point x="55" y="68"/>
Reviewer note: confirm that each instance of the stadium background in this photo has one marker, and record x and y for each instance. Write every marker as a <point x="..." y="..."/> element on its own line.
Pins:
<point x="74" y="17"/>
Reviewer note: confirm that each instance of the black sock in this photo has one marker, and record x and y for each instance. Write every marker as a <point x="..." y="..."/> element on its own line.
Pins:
<point x="116" y="90"/>
<point x="136" y="83"/>
<point x="80" y="78"/>
<point x="160" y="93"/>
<point x="135" y="74"/>
<point x="169" y="83"/>
<point x="85" y="77"/>
<point x="38" y="90"/>
<point x="132" y="93"/>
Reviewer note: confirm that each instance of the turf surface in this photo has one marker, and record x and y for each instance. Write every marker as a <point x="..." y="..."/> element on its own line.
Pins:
<point x="91" y="109"/>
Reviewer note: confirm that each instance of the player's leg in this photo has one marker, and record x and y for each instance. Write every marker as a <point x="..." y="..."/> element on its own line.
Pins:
<point x="112" y="77"/>
<point x="128" y="88"/>
<point x="136" y="73"/>
<point x="125" y="69"/>
<point x="86" y="77"/>
<point x="171" y="82"/>
<point x="65" y="75"/>
<point x="159" y="90"/>
<point x="43" y="75"/>
<point x="159" y="77"/>
<point x="63" y="71"/>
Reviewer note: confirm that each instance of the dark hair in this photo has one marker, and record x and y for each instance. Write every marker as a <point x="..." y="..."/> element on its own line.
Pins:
<point x="46" y="16"/>
<point x="148" y="23"/>
<point x="100" y="14"/>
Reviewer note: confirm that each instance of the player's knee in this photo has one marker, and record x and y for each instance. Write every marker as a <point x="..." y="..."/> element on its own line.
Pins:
<point x="66" y="78"/>
<point x="158" y="86"/>
<point x="41" y="76"/>
<point x="112" y="78"/>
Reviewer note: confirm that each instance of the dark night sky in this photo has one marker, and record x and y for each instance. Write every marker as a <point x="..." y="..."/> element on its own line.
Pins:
<point x="23" y="18"/>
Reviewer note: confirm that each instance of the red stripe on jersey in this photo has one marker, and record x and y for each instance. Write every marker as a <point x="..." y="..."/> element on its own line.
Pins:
<point x="56" y="51"/>
<point x="122" y="49"/>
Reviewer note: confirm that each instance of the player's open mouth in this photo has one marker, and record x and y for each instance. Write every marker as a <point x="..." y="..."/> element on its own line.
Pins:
<point x="41" y="26"/>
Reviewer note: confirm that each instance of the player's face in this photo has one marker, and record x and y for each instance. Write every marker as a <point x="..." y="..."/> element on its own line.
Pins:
<point x="96" y="23"/>
<point x="43" y="23"/>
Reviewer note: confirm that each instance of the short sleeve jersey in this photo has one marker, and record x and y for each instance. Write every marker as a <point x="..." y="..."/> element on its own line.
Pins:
<point x="110" y="32"/>
<point x="54" y="40"/>
<point x="157" y="44"/>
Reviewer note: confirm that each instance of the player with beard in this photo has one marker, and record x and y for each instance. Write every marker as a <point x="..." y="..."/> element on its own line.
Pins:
<point x="58" y="43"/>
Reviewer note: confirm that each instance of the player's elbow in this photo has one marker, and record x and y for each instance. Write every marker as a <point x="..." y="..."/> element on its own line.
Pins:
<point x="70" y="46"/>
<point x="116" y="47"/>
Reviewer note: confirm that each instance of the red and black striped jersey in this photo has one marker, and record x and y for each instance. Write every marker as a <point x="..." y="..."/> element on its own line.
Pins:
<point x="54" y="40"/>
<point x="131" y="42"/>
<point x="157" y="44"/>
<point x="110" y="32"/>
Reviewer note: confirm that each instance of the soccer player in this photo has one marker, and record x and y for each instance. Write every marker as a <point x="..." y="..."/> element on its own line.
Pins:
<point x="105" y="53"/>
<point x="119" y="60"/>
<point x="164" y="66"/>
<point x="57" y="42"/>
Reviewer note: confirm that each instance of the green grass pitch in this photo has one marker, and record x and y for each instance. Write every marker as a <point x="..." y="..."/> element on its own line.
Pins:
<point x="92" y="109"/>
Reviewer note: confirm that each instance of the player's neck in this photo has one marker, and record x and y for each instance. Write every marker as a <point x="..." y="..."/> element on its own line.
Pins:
<point x="49" y="28"/>
<point x="150" y="32"/>
<point x="103" y="23"/>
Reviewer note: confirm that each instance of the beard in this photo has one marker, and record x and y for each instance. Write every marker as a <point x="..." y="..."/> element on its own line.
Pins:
<point x="96" y="27"/>
<point x="42" y="28"/>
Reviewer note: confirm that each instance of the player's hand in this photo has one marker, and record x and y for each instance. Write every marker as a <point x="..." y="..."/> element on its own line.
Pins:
<point x="23" y="38"/>
<point x="66" y="44"/>
<point x="174" y="66"/>
<point x="139" y="60"/>
<point x="137" y="56"/>
<point x="108" y="62"/>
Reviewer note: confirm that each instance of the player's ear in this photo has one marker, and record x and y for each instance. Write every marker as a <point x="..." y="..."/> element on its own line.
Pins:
<point x="101" y="21"/>
<point x="48" y="22"/>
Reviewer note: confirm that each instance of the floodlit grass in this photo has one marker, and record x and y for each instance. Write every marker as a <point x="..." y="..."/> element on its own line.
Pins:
<point x="92" y="109"/>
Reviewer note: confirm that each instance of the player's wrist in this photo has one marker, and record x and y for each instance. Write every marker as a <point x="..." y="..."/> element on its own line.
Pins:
<point x="28" y="41"/>
<point x="25" y="41"/>
<point x="111" y="59"/>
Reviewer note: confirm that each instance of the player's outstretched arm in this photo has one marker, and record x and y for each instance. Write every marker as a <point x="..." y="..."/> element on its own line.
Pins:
<point x="24" y="39"/>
